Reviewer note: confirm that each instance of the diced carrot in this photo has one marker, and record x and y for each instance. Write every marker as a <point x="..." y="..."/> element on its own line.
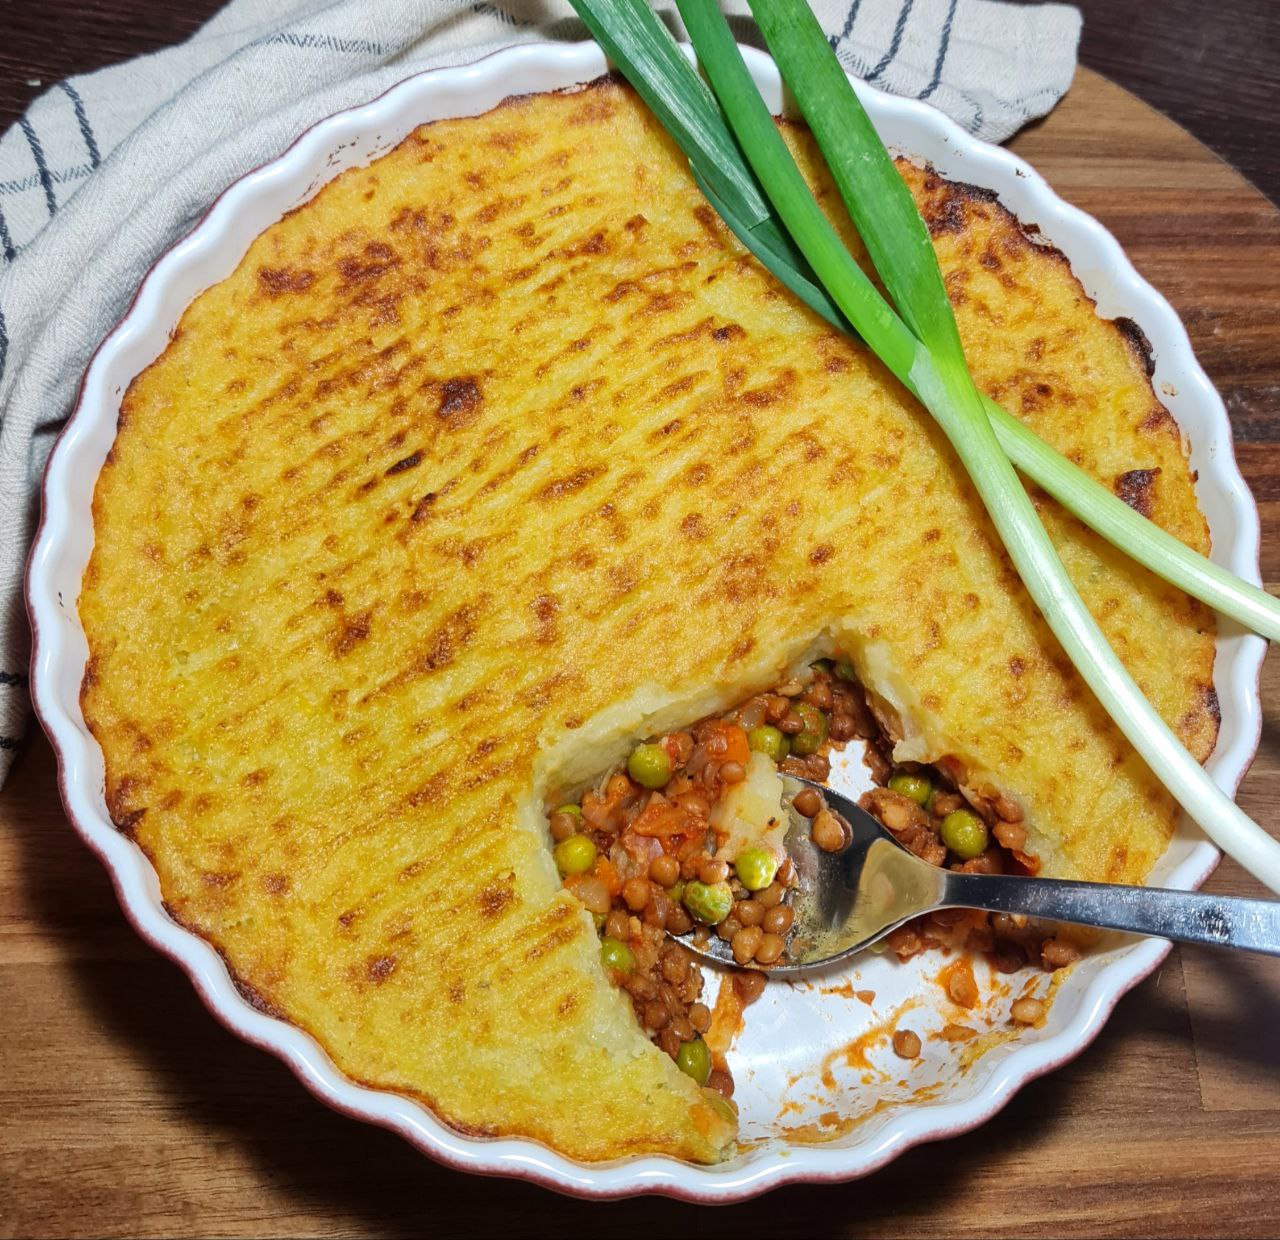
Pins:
<point x="737" y="747"/>
<point x="607" y="872"/>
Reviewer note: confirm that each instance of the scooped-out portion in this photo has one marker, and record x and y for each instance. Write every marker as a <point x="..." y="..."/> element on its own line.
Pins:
<point x="500" y="456"/>
<point x="687" y="838"/>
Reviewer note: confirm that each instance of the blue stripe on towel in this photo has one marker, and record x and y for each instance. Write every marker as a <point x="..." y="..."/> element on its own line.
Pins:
<point x="82" y="119"/>
<point x="899" y="27"/>
<point x="37" y="152"/>
<point x="330" y="42"/>
<point x="943" y="44"/>
<point x="6" y="241"/>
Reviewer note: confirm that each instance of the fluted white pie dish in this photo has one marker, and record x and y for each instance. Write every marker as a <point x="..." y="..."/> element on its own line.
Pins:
<point x="822" y="1096"/>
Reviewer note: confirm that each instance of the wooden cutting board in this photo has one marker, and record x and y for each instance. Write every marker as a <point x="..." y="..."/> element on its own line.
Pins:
<point x="126" y="1110"/>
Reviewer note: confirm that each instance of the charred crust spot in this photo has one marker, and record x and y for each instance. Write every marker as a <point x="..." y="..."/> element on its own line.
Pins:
<point x="770" y="393"/>
<point x="675" y="388"/>
<point x="120" y="805"/>
<point x="1137" y="341"/>
<point x="1137" y="488"/>
<point x="1016" y="666"/>
<point x="255" y="779"/>
<point x="730" y="331"/>
<point x="931" y="535"/>
<point x="821" y="553"/>
<point x="594" y="244"/>
<point x="447" y="640"/>
<point x="408" y="462"/>
<point x="570" y="484"/>
<point x="376" y="260"/>
<point x="559" y="937"/>
<point x="1211" y="704"/>
<point x="1159" y="419"/>
<point x="597" y="106"/>
<point x="708" y="221"/>
<point x="378" y="968"/>
<point x="352" y="632"/>
<point x="945" y="214"/>
<point x="276" y="281"/>
<point x="494" y="897"/>
<point x="423" y="506"/>
<point x="275" y="884"/>
<point x="1036" y="396"/>
<point x="545" y="607"/>
<point x="636" y="224"/>
<point x="945" y="208"/>
<point x="459" y="400"/>
<point x="694" y="526"/>
<point x="254" y="997"/>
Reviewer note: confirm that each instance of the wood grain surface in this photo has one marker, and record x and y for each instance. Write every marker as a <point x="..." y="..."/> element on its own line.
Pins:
<point x="125" y="1109"/>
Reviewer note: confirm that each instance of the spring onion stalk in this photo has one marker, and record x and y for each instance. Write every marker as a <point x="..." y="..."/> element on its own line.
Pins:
<point x="643" y="48"/>
<point x="898" y="243"/>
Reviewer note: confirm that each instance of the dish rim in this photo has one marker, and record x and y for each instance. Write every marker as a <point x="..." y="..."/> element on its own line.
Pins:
<point x="1078" y="235"/>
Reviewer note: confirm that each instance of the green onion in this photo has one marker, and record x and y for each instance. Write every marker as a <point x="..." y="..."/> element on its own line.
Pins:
<point x="924" y="351"/>
<point x="642" y="47"/>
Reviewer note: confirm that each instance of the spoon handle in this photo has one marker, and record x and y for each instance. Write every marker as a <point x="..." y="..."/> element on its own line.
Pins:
<point x="1187" y="916"/>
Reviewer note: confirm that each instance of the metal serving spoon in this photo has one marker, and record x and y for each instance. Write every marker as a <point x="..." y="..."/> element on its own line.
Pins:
<point x="847" y="900"/>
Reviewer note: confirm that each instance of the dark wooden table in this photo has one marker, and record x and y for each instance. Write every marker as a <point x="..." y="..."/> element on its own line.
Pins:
<point x="126" y="1110"/>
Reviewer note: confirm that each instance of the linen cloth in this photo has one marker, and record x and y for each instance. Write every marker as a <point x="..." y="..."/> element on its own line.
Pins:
<point x="107" y="170"/>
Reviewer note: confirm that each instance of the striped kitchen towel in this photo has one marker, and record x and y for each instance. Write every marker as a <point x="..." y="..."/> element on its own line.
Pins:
<point x="105" y="171"/>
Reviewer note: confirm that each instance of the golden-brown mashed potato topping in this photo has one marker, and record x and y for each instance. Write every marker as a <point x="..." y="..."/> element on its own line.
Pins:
<point x="501" y="453"/>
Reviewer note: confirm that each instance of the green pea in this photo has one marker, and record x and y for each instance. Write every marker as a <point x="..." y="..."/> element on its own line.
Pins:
<point x="616" y="955"/>
<point x="755" y="868"/>
<point x="965" y="834"/>
<point x="844" y="669"/>
<point x="821" y="665"/>
<point x="694" y="1059"/>
<point x="649" y="765"/>
<point x="708" y="903"/>
<point x="815" y="730"/>
<point x="575" y="810"/>
<point x="917" y="787"/>
<point x="676" y="891"/>
<point x="767" y="740"/>
<point x="576" y="855"/>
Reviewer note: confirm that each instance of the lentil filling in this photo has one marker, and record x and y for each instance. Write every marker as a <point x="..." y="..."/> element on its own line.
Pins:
<point x="686" y="839"/>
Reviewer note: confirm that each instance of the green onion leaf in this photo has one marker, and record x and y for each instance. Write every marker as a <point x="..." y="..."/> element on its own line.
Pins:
<point x="877" y="198"/>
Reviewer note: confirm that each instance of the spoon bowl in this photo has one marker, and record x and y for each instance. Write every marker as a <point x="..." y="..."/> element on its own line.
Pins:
<point x="846" y="900"/>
